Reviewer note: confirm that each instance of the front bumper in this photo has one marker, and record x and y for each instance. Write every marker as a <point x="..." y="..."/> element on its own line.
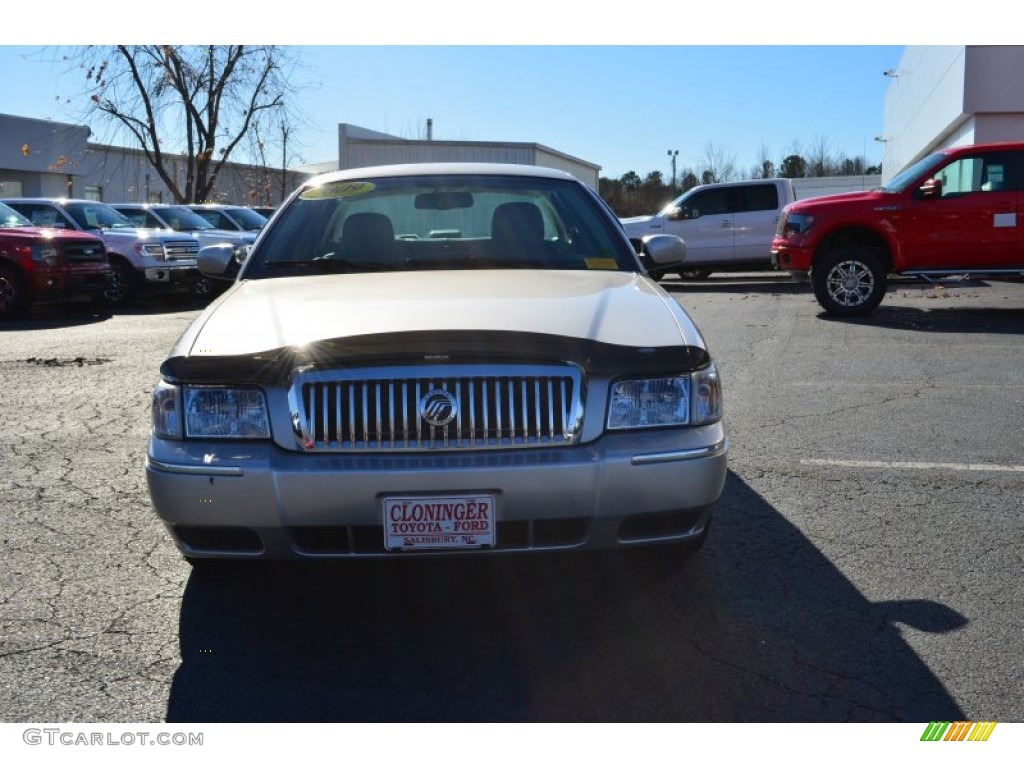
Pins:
<point x="786" y="256"/>
<point x="69" y="282"/>
<point x="256" y="501"/>
<point x="173" y="274"/>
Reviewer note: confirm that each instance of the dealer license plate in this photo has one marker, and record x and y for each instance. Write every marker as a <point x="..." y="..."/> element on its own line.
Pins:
<point x="439" y="522"/>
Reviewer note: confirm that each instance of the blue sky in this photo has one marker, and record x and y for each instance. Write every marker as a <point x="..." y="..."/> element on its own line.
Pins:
<point x="622" y="107"/>
<point x="617" y="85"/>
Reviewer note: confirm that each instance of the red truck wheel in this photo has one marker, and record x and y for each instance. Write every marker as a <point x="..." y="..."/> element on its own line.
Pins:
<point x="13" y="293"/>
<point x="849" y="282"/>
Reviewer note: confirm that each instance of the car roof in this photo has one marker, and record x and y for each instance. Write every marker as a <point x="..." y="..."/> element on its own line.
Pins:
<point x="51" y="200"/>
<point x="445" y="169"/>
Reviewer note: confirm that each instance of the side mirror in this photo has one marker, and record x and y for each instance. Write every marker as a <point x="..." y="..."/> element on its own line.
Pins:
<point x="664" y="250"/>
<point x="931" y="188"/>
<point x="221" y="261"/>
<point x="676" y="214"/>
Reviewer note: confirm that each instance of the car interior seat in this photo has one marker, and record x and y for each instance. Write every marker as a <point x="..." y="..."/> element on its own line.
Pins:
<point x="517" y="232"/>
<point x="368" y="237"/>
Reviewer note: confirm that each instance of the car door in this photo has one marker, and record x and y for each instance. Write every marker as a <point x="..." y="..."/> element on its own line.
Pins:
<point x="754" y="222"/>
<point x="965" y="215"/>
<point x="704" y="221"/>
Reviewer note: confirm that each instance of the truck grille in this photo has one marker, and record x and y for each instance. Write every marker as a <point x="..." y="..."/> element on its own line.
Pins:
<point x="181" y="249"/>
<point x="83" y="252"/>
<point x="453" y="407"/>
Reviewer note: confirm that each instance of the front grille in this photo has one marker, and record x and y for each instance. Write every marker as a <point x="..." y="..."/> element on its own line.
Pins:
<point x="83" y="252"/>
<point x="181" y="249"/>
<point x="391" y="409"/>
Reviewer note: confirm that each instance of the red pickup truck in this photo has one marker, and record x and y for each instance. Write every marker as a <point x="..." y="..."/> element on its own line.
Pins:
<point x="43" y="265"/>
<point x="955" y="213"/>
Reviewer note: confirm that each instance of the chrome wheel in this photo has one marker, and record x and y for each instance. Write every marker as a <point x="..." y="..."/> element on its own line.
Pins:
<point x="850" y="283"/>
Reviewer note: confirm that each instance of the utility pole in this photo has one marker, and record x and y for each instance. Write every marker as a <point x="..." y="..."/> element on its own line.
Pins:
<point x="284" y="160"/>
<point x="673" y="154"/>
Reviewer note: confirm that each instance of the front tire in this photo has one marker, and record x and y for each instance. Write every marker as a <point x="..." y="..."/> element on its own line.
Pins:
<point x="121" y="286"/>
<point x="849" y="282"/>
<point x="13" y="294"/>
<point x="697" y="273"/>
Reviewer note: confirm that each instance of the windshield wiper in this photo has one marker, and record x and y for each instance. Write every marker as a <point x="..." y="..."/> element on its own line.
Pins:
<point x="331" y="265"/>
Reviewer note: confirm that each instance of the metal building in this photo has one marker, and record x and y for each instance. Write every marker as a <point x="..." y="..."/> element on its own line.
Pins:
<point x="951" y="95"/>
<point x="44" y="158"/>
<point x="359" y="147"/>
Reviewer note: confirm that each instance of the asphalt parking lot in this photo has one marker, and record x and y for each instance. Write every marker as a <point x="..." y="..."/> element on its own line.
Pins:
<point x="865" y="562"/>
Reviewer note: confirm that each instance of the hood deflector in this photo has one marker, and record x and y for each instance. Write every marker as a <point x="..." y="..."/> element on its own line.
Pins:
<point x="275" y="367"/>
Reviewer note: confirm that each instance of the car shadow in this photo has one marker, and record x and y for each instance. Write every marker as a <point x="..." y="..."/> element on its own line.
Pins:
<point x="949" y="319"/>
<point x="725" y="282"/>
<point x="53" y="316"/>
<point x="758" y="626"/>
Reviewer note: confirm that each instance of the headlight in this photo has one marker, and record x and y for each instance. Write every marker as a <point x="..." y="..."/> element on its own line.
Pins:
<point x="45" y="253"/>
<point x="209" y="412"/>
<point x="797" y="224"/>
<point x="166" y="411"/>
<point x="707" y="396"/>
<point x="692" y="399"/>
<point x="222" y="412"/>
<point x="151" y="250"/>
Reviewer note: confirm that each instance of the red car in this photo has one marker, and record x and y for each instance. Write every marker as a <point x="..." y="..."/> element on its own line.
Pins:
<point x="47" y="265"/>
<point x="957" y="212"/>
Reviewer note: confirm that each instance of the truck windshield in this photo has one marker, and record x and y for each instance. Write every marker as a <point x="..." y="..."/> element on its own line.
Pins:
<point x="96" y="216"/>
<point x="908" y="175"/>
<point x="11" y="218"/>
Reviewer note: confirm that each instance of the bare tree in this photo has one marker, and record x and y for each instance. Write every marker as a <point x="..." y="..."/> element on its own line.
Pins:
<point x="821" y="161"/>
<point x="765" y="168"/>
<point x="199" y="101"/>
<point x="718" y="165"/>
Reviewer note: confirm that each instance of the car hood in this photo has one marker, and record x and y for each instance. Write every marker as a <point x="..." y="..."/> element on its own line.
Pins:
<point x="47" y="233"/>
<point x="637" y="226"/>
<point x="843" y="198"/>
<point x="619" y="310"/>
<point x="134" y="234"/>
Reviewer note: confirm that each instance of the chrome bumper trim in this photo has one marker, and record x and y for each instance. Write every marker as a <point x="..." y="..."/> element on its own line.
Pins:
<point x="694" y="453"/>
<point x="194" y="469"/>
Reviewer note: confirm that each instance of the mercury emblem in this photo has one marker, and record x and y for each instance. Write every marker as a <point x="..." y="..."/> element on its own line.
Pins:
<point x="438" y="407"/>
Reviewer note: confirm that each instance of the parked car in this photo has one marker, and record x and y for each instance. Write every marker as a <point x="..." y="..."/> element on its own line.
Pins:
<point x="141" y="259"/>
<point x="231" y="217"/>
<point x="955" y="213"/>
<point x="370" y="388"/>
<point x="47" y="265"/>
<point x="727" y="226"/>
<point x="181" y="218"/>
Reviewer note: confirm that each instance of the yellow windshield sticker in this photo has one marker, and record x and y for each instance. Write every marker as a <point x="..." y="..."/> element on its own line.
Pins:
<point x="601" y="263"/>
<point x="334" y="189"/>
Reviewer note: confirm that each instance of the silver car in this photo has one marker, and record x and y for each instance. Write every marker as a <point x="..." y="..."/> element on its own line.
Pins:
<point x="438" y="359"/>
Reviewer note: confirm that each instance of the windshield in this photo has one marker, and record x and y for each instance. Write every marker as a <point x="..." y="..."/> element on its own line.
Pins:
<point x="11" y="218"/>
<point x="441" y="222"/>
<point x="247" y="218"/>
<point x="182" y="219"/>
<point x="908" y="175"/>
<point x="96" y="216"/>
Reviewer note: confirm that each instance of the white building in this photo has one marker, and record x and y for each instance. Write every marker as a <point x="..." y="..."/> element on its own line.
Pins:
<point x="947" y="96"/>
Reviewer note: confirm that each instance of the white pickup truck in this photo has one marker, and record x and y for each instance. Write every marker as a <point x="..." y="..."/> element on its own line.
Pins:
<point x="727" y="227"/>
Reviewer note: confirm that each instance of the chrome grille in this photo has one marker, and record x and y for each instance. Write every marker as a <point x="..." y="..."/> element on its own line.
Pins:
<point x="181" y="249"/>
<point x="488" y="407"/>
<point x="80" y="252"/>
